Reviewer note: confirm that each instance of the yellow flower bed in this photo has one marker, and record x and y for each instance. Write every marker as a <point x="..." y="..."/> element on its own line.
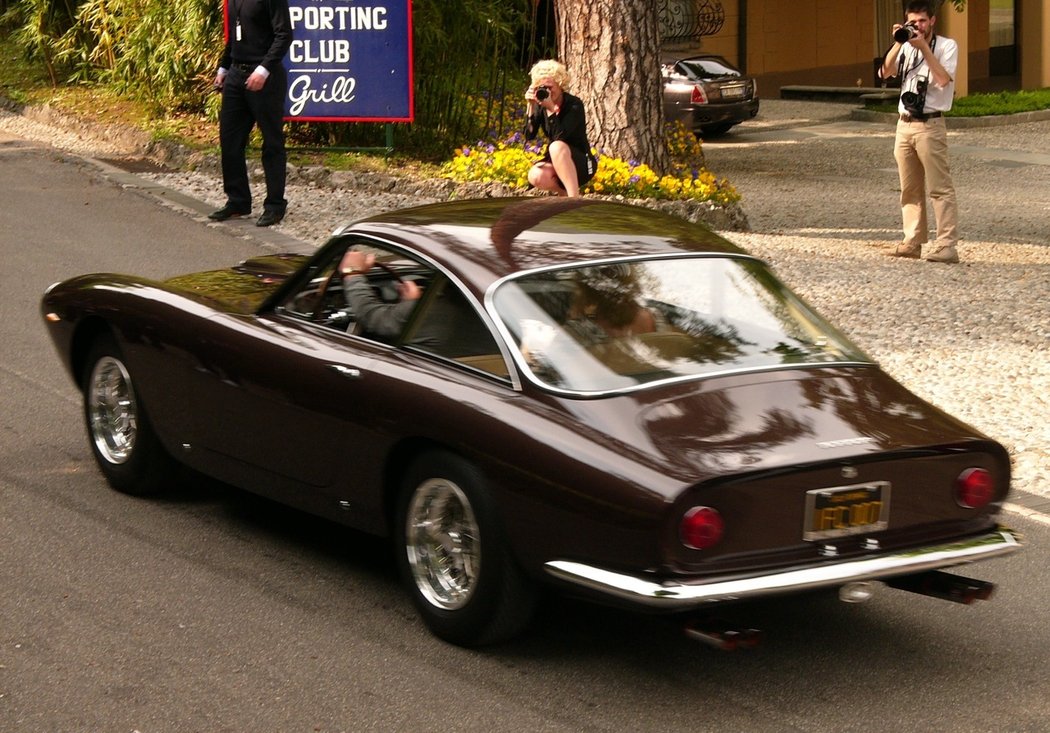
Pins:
<point x="508" y="161"/>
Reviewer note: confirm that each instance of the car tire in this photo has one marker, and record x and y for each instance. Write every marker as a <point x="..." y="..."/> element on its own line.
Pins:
<point x="716" y="130"/>
<point x="453" y="555"/>
<point x="120" y="433"/>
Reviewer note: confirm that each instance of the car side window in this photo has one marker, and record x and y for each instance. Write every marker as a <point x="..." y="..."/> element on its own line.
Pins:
<point x="450" y="327"/>
<point x="369" y="304"/>
<point x="319" y="299"/>
<point x="382" y="300"/>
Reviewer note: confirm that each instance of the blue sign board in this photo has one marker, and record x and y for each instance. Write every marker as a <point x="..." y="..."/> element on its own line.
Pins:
<point x="350" y="61"/>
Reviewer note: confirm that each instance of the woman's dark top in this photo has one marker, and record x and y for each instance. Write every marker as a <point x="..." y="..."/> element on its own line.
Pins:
<point x="569" y="126"/>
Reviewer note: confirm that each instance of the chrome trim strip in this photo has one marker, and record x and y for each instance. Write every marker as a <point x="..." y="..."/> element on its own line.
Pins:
<point x="677" y="596"/>
<point x="732" y="372"/>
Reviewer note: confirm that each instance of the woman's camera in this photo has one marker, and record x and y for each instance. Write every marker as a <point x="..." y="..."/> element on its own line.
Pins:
<point x="905" y="33"/>
<point x="542" y="93"/>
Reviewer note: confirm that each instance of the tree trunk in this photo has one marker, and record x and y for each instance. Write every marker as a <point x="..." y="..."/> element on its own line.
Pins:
<point x="612" y="51"/>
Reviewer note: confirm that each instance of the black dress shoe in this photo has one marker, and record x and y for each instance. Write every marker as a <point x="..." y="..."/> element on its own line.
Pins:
<point x="227" y="212"/>
<point x="269" y="218"/>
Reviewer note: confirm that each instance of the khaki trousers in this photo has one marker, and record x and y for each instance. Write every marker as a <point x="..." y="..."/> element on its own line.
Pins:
<point x="921" y="150"/>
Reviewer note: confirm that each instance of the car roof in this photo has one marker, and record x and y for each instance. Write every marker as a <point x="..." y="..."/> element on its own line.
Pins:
<point x="485" y="240"/>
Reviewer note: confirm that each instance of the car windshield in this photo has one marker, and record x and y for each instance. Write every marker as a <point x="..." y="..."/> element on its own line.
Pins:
<point x="620" y="325"/>
<point x="705" y="68"/>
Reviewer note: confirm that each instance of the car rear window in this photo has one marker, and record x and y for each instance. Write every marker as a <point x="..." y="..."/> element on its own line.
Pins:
<point x="707" y="68"/>
<point x="620" y="325"/>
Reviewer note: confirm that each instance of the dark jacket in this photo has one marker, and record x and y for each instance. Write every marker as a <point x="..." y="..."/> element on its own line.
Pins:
<point x="266" y="33"/>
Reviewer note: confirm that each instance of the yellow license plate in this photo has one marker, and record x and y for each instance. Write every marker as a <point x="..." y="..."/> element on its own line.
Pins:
<point x="846" y="510"/>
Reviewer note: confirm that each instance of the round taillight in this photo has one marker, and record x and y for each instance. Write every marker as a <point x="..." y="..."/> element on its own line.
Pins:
<point x="974" y="488"/>
<point x="701" y="528"/>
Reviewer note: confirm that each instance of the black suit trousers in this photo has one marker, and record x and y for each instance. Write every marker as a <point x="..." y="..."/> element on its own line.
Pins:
<point x="241" y="110"/>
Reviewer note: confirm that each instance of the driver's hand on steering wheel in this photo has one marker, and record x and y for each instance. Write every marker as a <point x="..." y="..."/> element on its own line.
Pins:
<point x="408" y="290"/>
<point x="355" y="262"/>
<point x="358" y="263"/>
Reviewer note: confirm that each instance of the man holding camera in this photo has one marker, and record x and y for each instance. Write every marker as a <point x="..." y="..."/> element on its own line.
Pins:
<point x="925" y="64"/>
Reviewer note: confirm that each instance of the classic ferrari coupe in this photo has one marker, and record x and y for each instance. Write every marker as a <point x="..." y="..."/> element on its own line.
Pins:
<point x="584" y="394"/>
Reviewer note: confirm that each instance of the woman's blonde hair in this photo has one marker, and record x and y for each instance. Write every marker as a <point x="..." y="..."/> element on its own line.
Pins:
<point x="552" y="69"/>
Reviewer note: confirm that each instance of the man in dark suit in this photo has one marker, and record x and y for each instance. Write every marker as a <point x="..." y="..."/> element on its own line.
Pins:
<point x="254" y="85"/>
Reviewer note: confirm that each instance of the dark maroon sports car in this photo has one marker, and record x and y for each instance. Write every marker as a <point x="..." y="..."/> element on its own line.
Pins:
<point x="586" y="394"/>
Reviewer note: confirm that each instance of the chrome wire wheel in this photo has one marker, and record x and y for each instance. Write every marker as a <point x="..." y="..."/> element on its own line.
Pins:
<point x="112" y="411"/>
<point x="442" y="544"/>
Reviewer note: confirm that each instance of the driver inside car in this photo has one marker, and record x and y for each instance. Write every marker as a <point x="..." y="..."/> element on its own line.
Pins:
<point x="376" y="318"/>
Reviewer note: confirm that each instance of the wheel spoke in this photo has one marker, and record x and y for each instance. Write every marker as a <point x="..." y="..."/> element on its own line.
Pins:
<point x="112" y="410"/>
<point x="442" y="544"/>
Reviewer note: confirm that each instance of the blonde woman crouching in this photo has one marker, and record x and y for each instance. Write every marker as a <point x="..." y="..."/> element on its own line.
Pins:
<point x="567" y="162"/>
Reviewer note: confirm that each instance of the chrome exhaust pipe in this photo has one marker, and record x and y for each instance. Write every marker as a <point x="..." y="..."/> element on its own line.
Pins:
<point x="860" y="591"/>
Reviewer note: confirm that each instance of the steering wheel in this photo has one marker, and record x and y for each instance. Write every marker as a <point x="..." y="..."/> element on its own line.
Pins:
<point x="319" y="310"/>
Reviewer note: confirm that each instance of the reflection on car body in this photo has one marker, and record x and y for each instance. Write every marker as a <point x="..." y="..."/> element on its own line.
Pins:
<point x="587" y="394"/>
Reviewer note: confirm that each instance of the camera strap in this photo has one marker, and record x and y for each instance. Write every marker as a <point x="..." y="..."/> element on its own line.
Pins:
<point x="917" y="60"/>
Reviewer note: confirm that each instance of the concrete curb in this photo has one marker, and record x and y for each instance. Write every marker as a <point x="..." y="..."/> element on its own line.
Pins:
<point x="958" y="123"/>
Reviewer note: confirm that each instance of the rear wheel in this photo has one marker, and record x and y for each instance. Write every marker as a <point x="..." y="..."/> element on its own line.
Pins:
<point x="453" y="556"/>
<point x="716" y="130"/>
<point x="119" y="431"/>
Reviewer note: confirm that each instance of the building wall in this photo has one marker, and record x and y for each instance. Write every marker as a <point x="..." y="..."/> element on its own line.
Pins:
<point x="980" y="15"/>
<point x="1033" y="34"/>
<point x="726" y="43"/>
<point x="802" y="42"/>
<point x="832" y="43"/>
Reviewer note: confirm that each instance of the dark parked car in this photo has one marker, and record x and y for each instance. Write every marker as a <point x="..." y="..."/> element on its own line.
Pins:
<point x="707" y="94"/>
<point x="591" y="395"/>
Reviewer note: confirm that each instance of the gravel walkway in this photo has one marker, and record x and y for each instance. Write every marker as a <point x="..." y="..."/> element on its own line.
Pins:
<point x="820" y="192"/>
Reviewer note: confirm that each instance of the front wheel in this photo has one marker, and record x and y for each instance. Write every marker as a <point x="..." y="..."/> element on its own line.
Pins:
<point x="453" y="556"/>
<point x="119" y="431"/>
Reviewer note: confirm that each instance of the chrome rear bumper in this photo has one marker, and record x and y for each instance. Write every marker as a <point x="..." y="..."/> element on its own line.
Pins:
<point x="681" y="596"/>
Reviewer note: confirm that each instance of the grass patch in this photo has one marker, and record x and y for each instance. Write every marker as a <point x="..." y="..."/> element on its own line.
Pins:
<point x="1001" y="103"/>
<point x="19" y="78"/>
<point x="991" y="104"/>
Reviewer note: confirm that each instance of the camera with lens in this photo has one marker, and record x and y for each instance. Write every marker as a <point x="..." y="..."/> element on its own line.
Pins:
<point x="915" y="102"/>
<point x="542" y="93"/>
<point x="905" y="33"/>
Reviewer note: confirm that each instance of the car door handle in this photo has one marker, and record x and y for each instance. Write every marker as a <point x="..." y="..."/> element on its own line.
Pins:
<point x="346" y="371"/>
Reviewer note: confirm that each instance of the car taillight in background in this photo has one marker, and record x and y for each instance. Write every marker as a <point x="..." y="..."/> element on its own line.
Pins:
<point x="701" y="528"/>
<point x="974" y="488"/>
<point x="698" y="96"/>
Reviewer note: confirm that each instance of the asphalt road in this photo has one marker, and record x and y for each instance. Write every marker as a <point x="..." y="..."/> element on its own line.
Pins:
<point x="216" y="611"/>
